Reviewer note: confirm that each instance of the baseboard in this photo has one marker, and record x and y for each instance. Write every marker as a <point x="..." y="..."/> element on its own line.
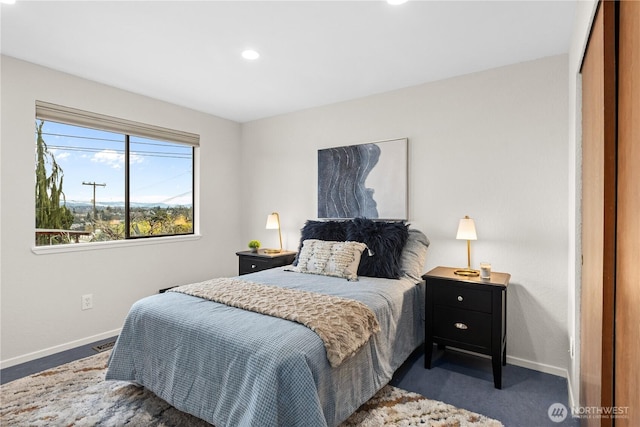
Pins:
<point x="536" y="366"/>
<point x="57" y="349"/>
<point x="524" y="363"/>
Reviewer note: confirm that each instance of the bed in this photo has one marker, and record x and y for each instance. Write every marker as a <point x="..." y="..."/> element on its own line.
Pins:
<point x="232" y="367"/>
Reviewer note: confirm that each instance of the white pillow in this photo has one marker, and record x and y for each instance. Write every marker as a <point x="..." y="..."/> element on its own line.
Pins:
<point x="337" y="259"/>
<point x="414" y="255"/>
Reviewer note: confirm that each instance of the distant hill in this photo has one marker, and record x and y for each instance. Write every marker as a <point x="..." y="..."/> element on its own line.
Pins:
<point x="102" y="205"/>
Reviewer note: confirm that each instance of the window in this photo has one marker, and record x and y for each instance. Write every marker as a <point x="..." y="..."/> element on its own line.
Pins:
<point x="99" y="178"/>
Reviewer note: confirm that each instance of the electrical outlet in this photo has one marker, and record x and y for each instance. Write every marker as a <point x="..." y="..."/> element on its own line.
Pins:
<point x="87" y="301"/>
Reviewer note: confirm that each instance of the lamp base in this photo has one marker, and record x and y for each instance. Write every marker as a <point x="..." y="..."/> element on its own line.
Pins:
<point x="467" y="272"/>
<point x="272" y="251"/>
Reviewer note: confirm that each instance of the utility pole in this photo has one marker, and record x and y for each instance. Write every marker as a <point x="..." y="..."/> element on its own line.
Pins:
<point x="94" y="194"/>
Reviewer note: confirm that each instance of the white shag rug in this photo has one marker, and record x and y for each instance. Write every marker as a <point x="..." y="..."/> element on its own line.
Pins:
<point x="75" y="394"/>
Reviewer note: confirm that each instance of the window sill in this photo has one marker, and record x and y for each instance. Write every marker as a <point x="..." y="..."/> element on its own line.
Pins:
<point x="81" y="247"/>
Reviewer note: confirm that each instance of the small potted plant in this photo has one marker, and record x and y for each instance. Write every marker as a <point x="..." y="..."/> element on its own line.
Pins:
<point x="254" y="245"/>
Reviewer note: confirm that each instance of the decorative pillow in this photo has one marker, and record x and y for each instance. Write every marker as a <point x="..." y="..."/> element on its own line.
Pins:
<point x="338" y="259"/>
<point x="335" y="231"/>
<point x="385" y="241"/>
<point x="414" y="255"/>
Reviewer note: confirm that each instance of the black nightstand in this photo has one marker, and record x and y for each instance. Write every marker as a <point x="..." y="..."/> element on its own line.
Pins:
<point x="250" y="262"/>
<point x="468" y="313"/>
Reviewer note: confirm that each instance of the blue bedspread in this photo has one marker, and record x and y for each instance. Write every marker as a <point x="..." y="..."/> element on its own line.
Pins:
<point x="233" y="367"/>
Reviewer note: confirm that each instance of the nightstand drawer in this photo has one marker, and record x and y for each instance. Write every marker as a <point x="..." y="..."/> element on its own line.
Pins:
<point x="444" y="293"/>
<point x="468" y="327"/>
<point x="251" y="265"/>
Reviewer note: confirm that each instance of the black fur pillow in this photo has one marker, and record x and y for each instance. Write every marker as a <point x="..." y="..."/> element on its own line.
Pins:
<point x="332" y="231"/>
<point x="385" y="240"/>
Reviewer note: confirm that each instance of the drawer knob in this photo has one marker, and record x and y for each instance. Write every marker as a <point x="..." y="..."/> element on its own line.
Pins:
<point x="460" y="298"/>
<point x="461" y="326"/>
<point x="253" y="266"/>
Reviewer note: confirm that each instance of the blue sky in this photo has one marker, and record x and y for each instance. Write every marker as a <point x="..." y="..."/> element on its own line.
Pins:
<point x="160" y="172"/>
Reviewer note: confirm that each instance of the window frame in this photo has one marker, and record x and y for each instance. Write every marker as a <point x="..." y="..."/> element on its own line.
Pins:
<point x="71" y="116"/>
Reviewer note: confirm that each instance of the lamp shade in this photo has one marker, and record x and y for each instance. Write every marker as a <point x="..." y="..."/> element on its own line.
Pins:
<point x="273" y="221"/>
<point x="467" y="229"/>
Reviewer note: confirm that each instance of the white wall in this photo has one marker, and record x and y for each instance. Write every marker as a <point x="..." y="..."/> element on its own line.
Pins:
<point x="492" y="145"/>
<point x="585" y="11"/>
<point x="40" y="300"/>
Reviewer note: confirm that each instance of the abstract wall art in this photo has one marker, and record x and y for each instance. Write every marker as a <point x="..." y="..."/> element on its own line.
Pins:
<point x="365" y="180"/>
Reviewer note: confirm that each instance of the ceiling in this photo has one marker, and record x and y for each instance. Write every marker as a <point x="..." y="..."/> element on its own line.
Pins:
<point x="312" y="52"/>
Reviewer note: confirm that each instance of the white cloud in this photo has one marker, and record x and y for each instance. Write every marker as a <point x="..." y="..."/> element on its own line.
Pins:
<point x="109" y="157"/>
<point x="114" y="159"/>
<point x="59" y="155"/>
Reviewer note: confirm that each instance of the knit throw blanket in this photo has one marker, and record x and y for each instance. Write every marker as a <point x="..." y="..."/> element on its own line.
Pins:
<point x="344" y="325"/>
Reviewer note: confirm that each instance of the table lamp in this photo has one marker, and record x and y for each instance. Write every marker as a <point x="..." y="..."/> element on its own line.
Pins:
<point x="467" y="231"/>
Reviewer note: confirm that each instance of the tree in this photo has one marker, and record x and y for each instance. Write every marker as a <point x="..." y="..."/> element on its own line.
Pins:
<point x="49" y="178"/>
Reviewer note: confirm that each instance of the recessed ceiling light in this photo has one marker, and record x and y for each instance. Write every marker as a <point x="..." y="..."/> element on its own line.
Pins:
<point x="250" y="54"/>
<point x="396" y="2"/>
<point x="8" y="1"/>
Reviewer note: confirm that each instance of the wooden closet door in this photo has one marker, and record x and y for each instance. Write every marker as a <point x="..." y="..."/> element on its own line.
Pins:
<point x="627" y="339"/>
<point x="598" y="214"/>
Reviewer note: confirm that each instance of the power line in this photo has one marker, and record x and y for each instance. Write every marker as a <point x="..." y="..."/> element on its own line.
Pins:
<point x="160" y="144"/>
<point x="171" y="178"/>
<point x="175" y="197"/>
<point x="117" y="151"/>
<point x="84" y="137"/>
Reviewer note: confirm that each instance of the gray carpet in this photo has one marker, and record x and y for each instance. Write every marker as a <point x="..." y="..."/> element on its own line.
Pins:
<point x="467" y="381"/>
<point x="77" y="394"/>
<point x="462" y="380"/>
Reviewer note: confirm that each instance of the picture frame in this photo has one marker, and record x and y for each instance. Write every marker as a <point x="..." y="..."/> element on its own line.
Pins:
<point x="367" y="180"/>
